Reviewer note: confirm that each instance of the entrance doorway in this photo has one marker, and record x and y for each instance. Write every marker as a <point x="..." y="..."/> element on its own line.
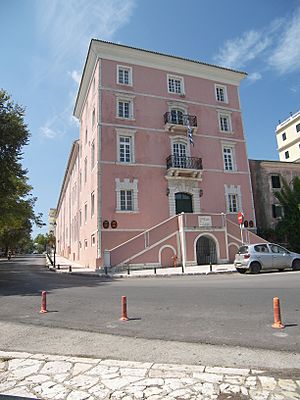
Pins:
<point x="206" y="251"/>
<point x="184" y="203"/>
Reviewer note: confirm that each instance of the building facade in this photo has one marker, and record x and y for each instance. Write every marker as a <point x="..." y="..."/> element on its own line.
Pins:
<point x="266" y="181"/>
<point x="160" y="169"/>
<point x="288" y="138"/>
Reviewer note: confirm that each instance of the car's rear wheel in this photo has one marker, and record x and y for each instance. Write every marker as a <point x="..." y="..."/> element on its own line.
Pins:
<point x="241" y="270"/>
<point x="296" y="265"/>
<point x="255" y="268"/>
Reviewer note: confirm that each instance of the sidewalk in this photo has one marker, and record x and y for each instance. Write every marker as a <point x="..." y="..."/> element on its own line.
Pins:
<point x="44" y="376"/>
<point x="63" y="266"/>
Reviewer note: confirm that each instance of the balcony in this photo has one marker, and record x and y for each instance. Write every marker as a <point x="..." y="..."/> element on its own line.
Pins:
<point x="178" y="123"/>
<point x="184" y="167"/>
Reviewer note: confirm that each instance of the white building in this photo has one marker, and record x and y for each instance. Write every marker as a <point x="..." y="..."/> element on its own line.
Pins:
<point x="288" y="138"/>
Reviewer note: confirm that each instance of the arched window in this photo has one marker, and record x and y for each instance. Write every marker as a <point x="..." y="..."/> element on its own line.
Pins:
<point x="180" y="154"/>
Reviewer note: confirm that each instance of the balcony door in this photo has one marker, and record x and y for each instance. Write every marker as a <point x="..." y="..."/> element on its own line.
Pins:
<point x="177" y="117"/>
<point x="184" y="203"/>
<point x="179" y="153"/>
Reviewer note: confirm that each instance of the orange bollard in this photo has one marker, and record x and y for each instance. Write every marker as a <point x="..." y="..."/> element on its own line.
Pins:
<point x="277" y="317"/>
<point x="43" y="305"/>
<point x="124" y="309"/>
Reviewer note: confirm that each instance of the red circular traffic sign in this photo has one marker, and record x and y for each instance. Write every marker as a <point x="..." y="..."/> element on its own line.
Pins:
<point x="240" y="218"/>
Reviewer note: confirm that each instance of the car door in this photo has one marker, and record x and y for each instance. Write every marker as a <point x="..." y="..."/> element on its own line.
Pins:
<point x="281" y="258"/>
<point x="263" y="255"/>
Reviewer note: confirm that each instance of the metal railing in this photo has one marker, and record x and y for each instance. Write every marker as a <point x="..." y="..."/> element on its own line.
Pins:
<point x="184" y="162"/>
<point x="180" y="119"/>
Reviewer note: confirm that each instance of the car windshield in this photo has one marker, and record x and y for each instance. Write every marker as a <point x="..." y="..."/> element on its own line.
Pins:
<point x="243" y="250"/>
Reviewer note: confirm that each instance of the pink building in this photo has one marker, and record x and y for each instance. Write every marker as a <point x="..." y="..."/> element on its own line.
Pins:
<point x="159" y="136"/>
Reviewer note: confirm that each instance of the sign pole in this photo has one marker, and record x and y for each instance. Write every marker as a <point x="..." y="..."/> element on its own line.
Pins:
<point x="240" y="218"/>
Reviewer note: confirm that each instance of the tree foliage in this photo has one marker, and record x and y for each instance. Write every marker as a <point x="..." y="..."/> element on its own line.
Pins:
<point x="289" y="226"/>
<point x="16" y="202"/>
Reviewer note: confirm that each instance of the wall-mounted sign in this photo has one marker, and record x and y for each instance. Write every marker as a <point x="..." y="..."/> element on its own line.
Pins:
<point x="105" y="224"/>
<point x="114" y="224"/>
<point x="204" y="221"/>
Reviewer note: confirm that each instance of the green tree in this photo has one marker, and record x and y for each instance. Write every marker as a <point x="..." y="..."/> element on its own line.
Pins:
<point x="16" y="201"/>
<point x="289" y="226"/>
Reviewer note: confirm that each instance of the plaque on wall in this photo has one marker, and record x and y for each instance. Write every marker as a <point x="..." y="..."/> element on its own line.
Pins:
<point x="205" y="221"/>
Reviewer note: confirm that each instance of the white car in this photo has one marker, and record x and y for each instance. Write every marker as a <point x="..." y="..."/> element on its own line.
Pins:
<point x="263" y="256"/>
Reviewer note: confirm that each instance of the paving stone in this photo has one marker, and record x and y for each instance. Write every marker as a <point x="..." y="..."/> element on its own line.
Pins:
<point x="232" y="389"/>
<point x="184" y="394"/>
<point x="19" y="391"/>
<point x="83" y="360"/>
<point x="118" y="383"/>
<point x="181" y="367"/>
<point x="298" y="382"/>
<point x="14" y="354"/>
<point x="161" y="373"/>
<point x="35" y="379"/>
<point x="102" y="370"/>
<point x="52" y="390"/>
<point x="60" y="378"/>
<point x="99" y="391"/>
<point x="149" y="382"/>
<point x="3" y="365"/>
<point x="82" y="382"/>
<point x="78" y="395"/>
<point x="80" y="368"/>
<point x="292" y="395"/>
<point x="209" y="389"/>
<point x="6" y="385"/>
<point x="150" y="391"/>
<point x="118" y="395"/>
<point x="287" y="384"/>
<point x="126" y="364"/>
<point x="137" y="392"/>
<point x="267" y="382"/>
<point x="235" y="380"/>
<point x="251" y="381"/>
<point x="229" y="371"/>
<point x="258" y="394"/>
<point x="20" y="368"/>
<point x="205" y="377"/>
<point x="56" y="367"/>
<point x="276" y="396"/>
<point x="133" y="372"/>
<point x="244" y="391"/>
<point x="48" y="357"/>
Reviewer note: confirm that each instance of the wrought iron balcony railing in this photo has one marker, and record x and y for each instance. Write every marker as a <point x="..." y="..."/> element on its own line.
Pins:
<point x="180" y="119"/>
<point x="184" y="162"/>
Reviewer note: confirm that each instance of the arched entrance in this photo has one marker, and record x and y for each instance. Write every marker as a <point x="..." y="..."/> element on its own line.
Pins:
<point x="206" y="251"/>
<point x="184" y="203"/>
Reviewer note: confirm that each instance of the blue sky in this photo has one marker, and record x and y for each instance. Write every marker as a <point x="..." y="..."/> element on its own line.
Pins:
<point x="44" y="45"/>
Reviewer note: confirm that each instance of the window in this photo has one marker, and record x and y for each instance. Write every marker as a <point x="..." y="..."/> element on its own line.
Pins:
<point x="85" y="243"/>
<point x="277" y="211"/>
<point x="287" y="155"/>
<point x="228" y="158"/>
<point x="232" y="203"/>
<point x="225" y="123"/>
<point x="93" y="240"/>
<point x="80" y="180"/>
<point x="175" y="85"/>
<point x="85" y="169"/>
<point x="221" y="93"/>
<point x="94" y="84"/>
<point x="261" y="248"/>
<point x="233" y="198"/>
<point x="283" y="136"/>
<point x="92" y="204"/>
<point x="298" y="128"/>
<point x="177" y="117"/>
<point x="124" y="75"/>
<point x="275" y="179"/>
<point x="278" y="249"/>
<point x="125" y="149"/>
<point x="126" y="192"/>
<point x="179" y="154"/>
<point x="80" y="218"/>
<point x="93" y="155"/>
<point x="86" y="136"/>
<point x="124" y="109"/>
<point x="126" y="200"/>
<point x="85" y="213"/>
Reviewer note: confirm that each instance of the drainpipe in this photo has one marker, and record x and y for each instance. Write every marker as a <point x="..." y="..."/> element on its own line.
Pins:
<point x="182" y="239"/>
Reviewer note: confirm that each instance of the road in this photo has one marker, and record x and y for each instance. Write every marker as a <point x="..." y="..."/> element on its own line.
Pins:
<point x="231" y="309"/>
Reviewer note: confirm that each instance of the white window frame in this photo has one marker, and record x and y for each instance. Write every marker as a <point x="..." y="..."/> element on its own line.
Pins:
<point x="124" y="68"/>
<point x="127" y="185"/>
<point x="85" y="169"/>
<point x="227" y="115"/>
<point x="236" y="191"/>
<point x="131" y="135"/>
<point x="93" y="117"/>
<point x="224" y="89"/>
<point x="93" y="155"/>
<point x="93" y="240"/>
<point x="85" y="212"/>
<point x="92" y="204"/>
<point x="230" y="146"/>
<point x="175" y="78"/>
<point x="125" y="99"/>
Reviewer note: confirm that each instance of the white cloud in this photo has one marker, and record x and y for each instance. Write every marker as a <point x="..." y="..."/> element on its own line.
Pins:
<point x="48" y="132"/>
<point x="68" y="26"/>
<point x="286" y="56"/>
<point x="75" y="75"/>
<point x="237" y="52"/>
<point x="255" y="76"/>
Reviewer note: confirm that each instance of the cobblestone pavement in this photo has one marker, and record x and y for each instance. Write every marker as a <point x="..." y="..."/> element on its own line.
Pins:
<point x="44" y="376"/>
